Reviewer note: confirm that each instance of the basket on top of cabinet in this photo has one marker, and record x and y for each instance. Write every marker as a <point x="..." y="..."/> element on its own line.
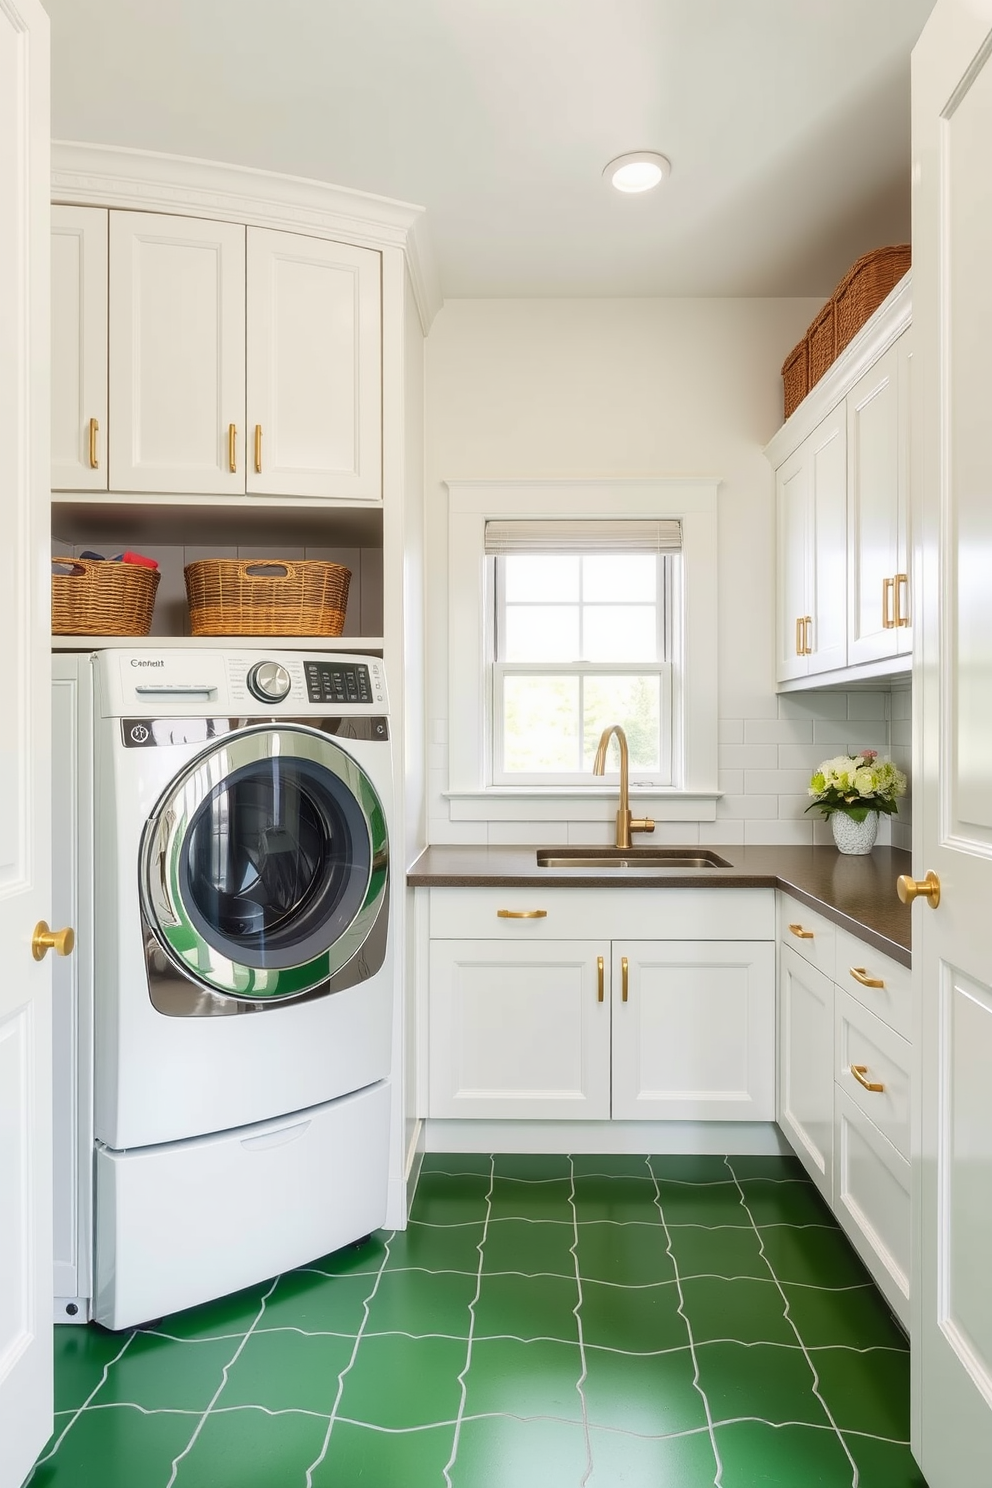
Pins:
<point x="272" y="596"/>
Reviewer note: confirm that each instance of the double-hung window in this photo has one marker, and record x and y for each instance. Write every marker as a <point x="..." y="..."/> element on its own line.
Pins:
<point x="585" y="622"/>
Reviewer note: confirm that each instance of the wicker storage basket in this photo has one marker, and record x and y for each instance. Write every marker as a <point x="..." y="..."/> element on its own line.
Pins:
<point x="822" y="340"/>
<point x="865" y="286"/>
<point x="795" y="376"/>
<point x="102" y="598"/>
<point x="274" y="596"/>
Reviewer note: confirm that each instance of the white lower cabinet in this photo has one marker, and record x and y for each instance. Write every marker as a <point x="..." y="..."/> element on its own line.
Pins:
<point x="529" y="1024"/>
<point x="806" y="1065"/>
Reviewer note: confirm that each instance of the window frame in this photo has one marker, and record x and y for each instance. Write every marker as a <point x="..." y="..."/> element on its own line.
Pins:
<point x="693" y="501"/>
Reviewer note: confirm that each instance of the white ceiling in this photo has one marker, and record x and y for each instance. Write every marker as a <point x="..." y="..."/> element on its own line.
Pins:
<point x="786" y="121"/>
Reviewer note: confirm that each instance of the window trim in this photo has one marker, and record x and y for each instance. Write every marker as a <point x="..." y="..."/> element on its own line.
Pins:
<point x="690" y="500"/>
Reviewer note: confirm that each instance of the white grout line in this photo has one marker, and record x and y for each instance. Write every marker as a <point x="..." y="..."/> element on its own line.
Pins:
<point x="223" y="1381"/>
<point x="789" y="1319"/>
<point x="76" y="1414"/>
<point x="718" y="1479"/>
<point x="471" y="1328"/>
<point x="577" y="1312"/>
<point x="345" y="1371"/>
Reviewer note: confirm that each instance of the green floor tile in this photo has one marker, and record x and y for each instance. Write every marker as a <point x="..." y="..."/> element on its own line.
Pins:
<point x="650" y="1394"/>
<point x="354" y="1259"/>
<point x="818" y="1257"/>
<point x="621" y="1461"/>
<point x="831" y="1319"/>
<point x="635" y="1320"/>
<point x="745" y="1310"/>
<point x="360" y="1457"/>
<point x="248" y="1449"/>
<point x="529" y="1246"/>
<point x="160" y="1374"/>
<point x="500" y="1452"/>
<point x="730" y="1251"/>
<point x="628" y="1254"/>
<point x="509" y="1377"/>
<point x="883" y="1464"/>
<point x="116" y="1448"/>
<point x="318" y="1304"/>
<point x="781" y="1169"/>
<point x="753" y="1453"/>
<point x="762" y="1380"/>
<point x="773" y="1203"/>
<point x="707" y="1204"/>
<point x="547" y="1198"/>
<point x="866" y="1392"/>
<point x="632" y="1165"/>
<point x="285" y="1371"/>
<point x="457" y="1162"/>
<point x="399" y="1382"/>
<point x="527" y="1307"/>
<point x="443" y="1198"/>
<point x="81" y="1355"/>
<point x="623" y="1199"/>
<point x="225" y="1317"/>
<point x="689" y="1168"/>
<point x="534" y="1166"/>
<point x="422" y="1302"/>
<point x="436" y="1247"/>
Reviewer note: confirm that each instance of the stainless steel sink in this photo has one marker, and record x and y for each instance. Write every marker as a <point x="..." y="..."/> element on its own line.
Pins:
<point x="627" y="858"/>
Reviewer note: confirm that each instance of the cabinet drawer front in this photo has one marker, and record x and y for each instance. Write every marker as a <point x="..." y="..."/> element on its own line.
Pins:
<point x="872" y="1200"/>
<point x="536" y="913"/>
<point x="882" y="1057"/>
<point x="858" y="964"/>
<point x="810" y="934"/>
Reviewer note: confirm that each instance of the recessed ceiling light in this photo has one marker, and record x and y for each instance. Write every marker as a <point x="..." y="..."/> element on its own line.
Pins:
<point x="639" y="171"/>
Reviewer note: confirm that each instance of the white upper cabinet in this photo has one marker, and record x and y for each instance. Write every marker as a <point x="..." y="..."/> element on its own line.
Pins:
<point x="811" y="501"/>
<point x="314" y="385"/>
<point x="79" y="349"/>
<point x="878" y="509"/>
<point x="177" y="354"/>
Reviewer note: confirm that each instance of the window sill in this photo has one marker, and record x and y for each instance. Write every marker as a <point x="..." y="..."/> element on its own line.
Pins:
<point x="578" y="803"/>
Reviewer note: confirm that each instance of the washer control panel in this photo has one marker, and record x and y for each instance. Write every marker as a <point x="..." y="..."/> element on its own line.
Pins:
<point x="269" y="681"/>
<point x="180" y="682"/>
<point x="343" y="681"/>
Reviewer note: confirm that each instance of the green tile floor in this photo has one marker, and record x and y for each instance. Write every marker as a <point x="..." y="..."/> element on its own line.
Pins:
<point x="544" y="1322"/>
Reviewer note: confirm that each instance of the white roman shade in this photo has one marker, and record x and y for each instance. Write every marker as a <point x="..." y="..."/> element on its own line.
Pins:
<point x="641" y="535"/>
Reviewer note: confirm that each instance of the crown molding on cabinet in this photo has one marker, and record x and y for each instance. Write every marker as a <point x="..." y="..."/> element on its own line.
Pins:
<point x="877" y="334"/>
<point x="113" y="176"/>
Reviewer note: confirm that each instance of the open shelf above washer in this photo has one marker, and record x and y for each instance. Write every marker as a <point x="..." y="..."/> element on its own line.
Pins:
<point x="370" y="644"/>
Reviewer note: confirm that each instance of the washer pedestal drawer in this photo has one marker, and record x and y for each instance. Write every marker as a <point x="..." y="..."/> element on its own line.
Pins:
<point x="185" y="1222"/>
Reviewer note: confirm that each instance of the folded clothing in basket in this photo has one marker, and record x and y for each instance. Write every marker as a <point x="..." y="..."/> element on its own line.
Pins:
<point x="126" y="557"/>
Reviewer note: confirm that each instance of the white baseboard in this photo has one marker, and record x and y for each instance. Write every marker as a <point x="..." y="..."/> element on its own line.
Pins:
<point x="758" y="1138"/>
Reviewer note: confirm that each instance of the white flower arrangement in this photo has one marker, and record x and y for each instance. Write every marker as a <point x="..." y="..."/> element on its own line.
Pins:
<point x="856" y="784"/>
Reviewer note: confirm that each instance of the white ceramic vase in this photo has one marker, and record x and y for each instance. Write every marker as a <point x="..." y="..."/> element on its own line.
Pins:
<point x="854" y="837"/>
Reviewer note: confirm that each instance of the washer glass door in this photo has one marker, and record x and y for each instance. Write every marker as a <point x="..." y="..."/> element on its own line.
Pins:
<point x="264" y="865"/>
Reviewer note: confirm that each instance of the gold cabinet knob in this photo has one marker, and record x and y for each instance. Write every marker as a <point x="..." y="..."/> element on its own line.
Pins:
<point x="927" y="888"/>
<point x="59" y="941"/>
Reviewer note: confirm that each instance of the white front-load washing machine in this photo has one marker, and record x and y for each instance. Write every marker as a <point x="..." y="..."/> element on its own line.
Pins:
<point x="241" y="961"/>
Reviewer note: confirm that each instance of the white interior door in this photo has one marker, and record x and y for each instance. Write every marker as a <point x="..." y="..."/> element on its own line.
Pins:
<point x="952" y="950"/>
<point x="25" y="624"/>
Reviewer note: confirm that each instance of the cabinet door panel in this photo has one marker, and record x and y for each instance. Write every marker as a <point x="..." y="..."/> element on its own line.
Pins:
<point x="314" y="385"/>
<point x="872" y="1185"/>
<point x="177" y="354"/>
<point x="827" y="538"/>
<point x="79" y="348"/>
<point x="519" y="1031"/>
<point x="873" y="510"/>
<point x="806" y="1065"/>
<point x="695" y="1039"/>
<point x="792" y="501"/>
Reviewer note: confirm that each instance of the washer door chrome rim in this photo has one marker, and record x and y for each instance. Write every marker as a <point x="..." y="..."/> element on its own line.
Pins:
<point x="288" y="949"/>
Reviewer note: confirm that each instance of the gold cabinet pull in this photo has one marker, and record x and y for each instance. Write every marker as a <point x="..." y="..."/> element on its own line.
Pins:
<point x="94" y="457"/>
<point x="600" y="978"/>
<point x="258" y="449"/>
<point x="44" y="940"/>
<point x="800" y="630"/>
<point x="624" y="978"/>
<point x="232" y="447"/>
<point x="521" y="914"/>
<point x="927" y="888"/>
<point x="860" y="1073"/>
<point x="888" y="589"/>
<point x="807" y="643"/>
<point x="802" y="934"/>
<point x="860" y="975"/>
<point x="898" y="616"/>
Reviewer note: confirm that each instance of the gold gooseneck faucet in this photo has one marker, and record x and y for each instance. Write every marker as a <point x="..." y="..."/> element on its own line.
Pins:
<point x="625" y="822"/>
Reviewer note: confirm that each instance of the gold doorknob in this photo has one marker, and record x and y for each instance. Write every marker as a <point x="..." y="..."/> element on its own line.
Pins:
<point x="59" y="941"/>
<point x="928" y="888"/>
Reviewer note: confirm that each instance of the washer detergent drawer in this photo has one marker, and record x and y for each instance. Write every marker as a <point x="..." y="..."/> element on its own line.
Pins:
<point x="185" y="1222"/>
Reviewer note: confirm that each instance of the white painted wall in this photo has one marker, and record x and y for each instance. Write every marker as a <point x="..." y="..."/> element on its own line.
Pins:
<point x="642" y="387"/>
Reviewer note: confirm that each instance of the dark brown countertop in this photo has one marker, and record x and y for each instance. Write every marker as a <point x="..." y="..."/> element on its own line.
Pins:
<point x="858" y="893"/>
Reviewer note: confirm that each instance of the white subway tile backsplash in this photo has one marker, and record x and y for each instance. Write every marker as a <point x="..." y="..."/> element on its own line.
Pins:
<point x="524" y="834"/>
<point x="747" y="808"/>
<point x="730" y="731"/>
<point x="813" y="705"/>
<point x="778" y="731"/>
<point x="868" y="705"/>
<point x="712" y="834"/>
<point x="779" y="833"/>
<point x="748" y="756"/>
<point x="731" y="782"/>
<point x="776" y="782"/>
